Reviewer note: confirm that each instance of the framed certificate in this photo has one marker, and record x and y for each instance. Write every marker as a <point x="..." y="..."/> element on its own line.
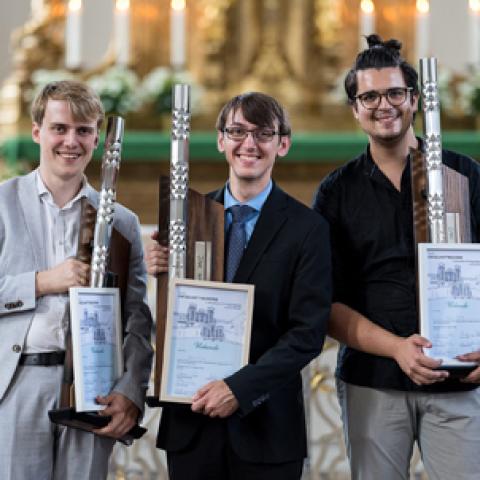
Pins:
<point x="449" y="300"/>
<point x="207" y="335"/>
<point x="97" y="343"/>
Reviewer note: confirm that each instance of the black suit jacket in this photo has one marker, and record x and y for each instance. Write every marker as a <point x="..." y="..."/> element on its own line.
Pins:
<point x="288" y="261"/>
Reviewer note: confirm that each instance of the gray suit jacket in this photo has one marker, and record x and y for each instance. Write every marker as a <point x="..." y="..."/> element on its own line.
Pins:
<point x="22" y="253"/>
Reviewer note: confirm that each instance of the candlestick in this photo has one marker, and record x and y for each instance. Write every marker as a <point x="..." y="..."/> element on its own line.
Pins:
<point x="73" y="49"/>
<point x="122" y="32"/>
<point x="474" y="34"/>
<point x="366" y="21"/>
<point x="422" y="28"/>
<point x="177" y="34"/>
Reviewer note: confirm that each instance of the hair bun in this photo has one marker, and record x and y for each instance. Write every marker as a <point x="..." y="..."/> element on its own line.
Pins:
<point x="374" y="41"/>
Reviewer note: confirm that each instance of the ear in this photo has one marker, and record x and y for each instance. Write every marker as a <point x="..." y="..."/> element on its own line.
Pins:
<point x="414" y="101"/>
<point x="36" y="132"/>
<point x="284" y="146"/>
<point x="220" y="142"/>
<point x="355" y="110"/>
<point x="97" y="139"/>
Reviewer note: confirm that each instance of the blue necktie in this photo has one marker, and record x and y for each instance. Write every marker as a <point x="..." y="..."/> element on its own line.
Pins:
<point x="237" y="239"/>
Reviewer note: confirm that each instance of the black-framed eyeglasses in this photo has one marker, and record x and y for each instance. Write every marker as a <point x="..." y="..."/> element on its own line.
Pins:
<point x="395" y="96"/>
<point x="262" y="135"/>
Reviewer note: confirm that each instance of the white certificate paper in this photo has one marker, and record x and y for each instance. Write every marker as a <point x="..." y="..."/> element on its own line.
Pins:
<point x="97" y="342"/>
<point x="449" y="290"/>
<point x="207" y="335"/>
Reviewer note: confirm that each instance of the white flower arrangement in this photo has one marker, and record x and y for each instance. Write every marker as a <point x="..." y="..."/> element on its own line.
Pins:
<point x="117" y="88"/>
<point x="41" y="77"/>
<point x="469" y="93"/>
<point x="121" y="90"/>
<point x="155" y="90"/>
<point x="446" y="90"/>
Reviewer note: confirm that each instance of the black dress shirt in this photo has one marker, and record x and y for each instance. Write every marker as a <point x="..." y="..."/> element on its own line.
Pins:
<point x="373" y="255"/>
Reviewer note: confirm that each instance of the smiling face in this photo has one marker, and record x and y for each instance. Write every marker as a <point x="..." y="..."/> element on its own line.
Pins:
<point x="250" y="161"/>
<point x="385" y="124"/>
<point x="66" y="144"/>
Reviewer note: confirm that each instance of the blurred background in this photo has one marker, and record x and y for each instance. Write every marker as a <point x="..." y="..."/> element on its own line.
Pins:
<point x="132" y="51"/>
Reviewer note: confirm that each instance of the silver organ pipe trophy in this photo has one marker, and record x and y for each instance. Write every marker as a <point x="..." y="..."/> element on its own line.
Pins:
<point x="179" y="153"/>
<point x="94" y="358"/>
<point x="191" y="225"/>
<point x="433" y="150"/>
<point x="106" y="208"/>
<point x="441" y="204"/>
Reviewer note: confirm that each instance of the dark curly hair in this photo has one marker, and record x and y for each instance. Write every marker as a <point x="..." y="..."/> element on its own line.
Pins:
<point x="380" y="54"/>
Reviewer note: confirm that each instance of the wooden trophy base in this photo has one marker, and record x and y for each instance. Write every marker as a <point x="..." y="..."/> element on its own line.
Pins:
<point x="205" y="224"/>
<point x="117" y="276"/>
<point x="90" y="421"/>
<point x="457" y="207"/>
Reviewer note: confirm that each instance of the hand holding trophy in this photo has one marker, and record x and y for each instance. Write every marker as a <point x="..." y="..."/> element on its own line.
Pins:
<point x="94" y="358"/>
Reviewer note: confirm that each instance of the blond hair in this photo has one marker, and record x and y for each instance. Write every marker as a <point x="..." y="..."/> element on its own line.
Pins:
<point x="84" y="103"/>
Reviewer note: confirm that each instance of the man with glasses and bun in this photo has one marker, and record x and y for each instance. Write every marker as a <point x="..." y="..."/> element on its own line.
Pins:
<point x="251" y="425"/>
<point x="390" y="392"/>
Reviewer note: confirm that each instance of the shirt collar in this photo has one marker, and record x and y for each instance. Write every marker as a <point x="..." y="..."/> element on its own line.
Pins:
<point x="43" y="191"/>
<point x="256" y="202"/>
<point x="370" y="166"/>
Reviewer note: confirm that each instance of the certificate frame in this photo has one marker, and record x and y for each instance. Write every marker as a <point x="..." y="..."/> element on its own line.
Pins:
<point x="207" y="335"/>
<point x="449" y="300"/>
<point x="96" y="344"/>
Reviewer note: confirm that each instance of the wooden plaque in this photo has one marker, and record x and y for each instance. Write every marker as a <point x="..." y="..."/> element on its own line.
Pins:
<point x="456" y="193"/>
<point x="205" y="223"/>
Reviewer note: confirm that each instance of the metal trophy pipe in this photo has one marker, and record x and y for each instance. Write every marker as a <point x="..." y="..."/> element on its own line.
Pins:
<point x="179" y="153"/>
<point x="106" y="208"/>
<point x="433" y="150"/>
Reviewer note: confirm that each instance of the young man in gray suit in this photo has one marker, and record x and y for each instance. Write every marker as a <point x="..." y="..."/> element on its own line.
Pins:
<point x="251" y="425"/>
<point x="39" y="228"/>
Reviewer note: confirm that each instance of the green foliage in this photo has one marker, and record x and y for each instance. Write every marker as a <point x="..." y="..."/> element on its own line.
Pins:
<point x="7" y="171"/>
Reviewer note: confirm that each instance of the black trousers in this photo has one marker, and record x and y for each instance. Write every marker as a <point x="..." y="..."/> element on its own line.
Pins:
<point x="211" y="457"/>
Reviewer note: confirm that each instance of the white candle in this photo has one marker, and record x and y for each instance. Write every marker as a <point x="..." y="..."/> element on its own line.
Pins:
<point x="73" y="25"/>
<point x="366" y="21"/>
<point x="177" y="34"/>
<point x="422" y="29"/>
<point x="37" y="6"/>
<point x="122" y="32"/>
<point x="474" y="34"/>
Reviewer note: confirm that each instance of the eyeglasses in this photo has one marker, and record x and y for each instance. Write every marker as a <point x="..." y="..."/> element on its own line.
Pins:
<point x="262" y="135"/>
<point x="395" y="97"/>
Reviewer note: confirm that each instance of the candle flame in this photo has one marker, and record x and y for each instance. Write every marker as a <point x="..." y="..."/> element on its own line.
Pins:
<point x="423" y="6"/>
<point x="474" y="5"/>
<point x="367" y="6"/>
<point x="178" y="4"/>
<point x="74" y="5"/>
<point x="122" y="5"/>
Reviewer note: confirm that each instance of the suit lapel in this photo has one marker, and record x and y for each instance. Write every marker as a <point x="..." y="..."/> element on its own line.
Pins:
<point x="30" y="203"/>
<point x="92" y="196"/>
<point x="272" y="217"/>
<point x="218" y="195"/>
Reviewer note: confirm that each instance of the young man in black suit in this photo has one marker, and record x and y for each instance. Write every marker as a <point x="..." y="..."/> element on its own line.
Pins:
<point x="251" y="425"/>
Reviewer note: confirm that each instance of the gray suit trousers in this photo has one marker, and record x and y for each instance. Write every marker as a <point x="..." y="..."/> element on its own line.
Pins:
<point x="32" y="448"/>
<point x="381" y="426"/>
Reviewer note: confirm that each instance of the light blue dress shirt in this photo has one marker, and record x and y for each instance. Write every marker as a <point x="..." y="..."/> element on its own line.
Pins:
<point x="255" y="202"/>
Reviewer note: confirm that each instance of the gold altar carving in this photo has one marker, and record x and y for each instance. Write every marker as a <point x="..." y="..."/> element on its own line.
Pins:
<point x="294" y="50"/>
<point x="37" y="44"/>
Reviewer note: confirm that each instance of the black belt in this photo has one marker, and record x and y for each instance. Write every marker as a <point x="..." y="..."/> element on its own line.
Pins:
<point x="43" y="359"/>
